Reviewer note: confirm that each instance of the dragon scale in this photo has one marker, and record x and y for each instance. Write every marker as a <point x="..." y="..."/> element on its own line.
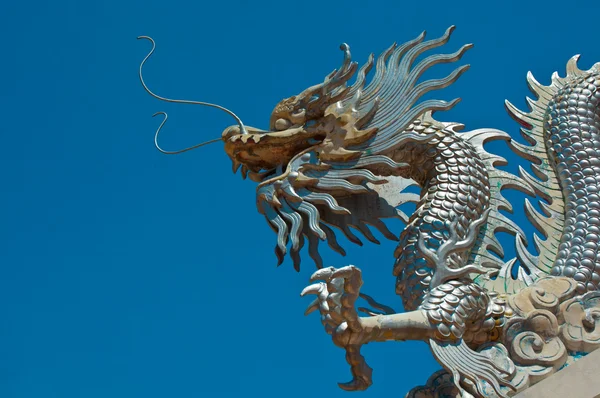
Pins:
<point x="572" y="128"/>
<point x="338" y="157"/>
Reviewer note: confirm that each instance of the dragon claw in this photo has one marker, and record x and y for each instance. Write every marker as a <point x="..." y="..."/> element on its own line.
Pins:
<point x="336" y="295"/>
<point x="312" y="307"/>
<point x="313" y="289"/>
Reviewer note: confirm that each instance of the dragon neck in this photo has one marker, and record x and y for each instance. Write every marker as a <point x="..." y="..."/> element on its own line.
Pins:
<point x="454" y="183"/>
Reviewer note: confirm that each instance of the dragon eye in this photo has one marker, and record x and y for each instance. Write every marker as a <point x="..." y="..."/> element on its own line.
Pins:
<point x="282" y="124"/>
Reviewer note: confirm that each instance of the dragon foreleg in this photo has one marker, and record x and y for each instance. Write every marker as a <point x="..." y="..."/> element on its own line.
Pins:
<point x="453" y="314"/>
<point x="337" y="291"/>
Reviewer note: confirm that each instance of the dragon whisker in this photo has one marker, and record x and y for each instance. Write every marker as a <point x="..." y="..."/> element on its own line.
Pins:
<point x="178" y="101"/>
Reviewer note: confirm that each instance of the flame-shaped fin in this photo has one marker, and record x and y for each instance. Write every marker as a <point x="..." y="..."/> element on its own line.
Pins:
<point x="527" y="259"/>
<point x="488" y="250"/>
<point x="388" y="102"/>
<point x="466" y="364"/>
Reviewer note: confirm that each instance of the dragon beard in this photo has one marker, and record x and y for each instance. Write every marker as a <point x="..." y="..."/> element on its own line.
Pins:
<point x="310" y="197"/>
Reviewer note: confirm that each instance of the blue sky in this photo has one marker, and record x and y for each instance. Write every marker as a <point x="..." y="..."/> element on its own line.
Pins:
<point x="128" y="273"/>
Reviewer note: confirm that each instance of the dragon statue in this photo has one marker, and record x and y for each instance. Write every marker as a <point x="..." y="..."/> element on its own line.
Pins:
<point x="342" y="155"/>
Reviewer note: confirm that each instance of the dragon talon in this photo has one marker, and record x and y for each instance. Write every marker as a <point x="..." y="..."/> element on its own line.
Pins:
<point x="313" y="289"/>
<point x="312" y="307"/>
<point x="323" y="305"/>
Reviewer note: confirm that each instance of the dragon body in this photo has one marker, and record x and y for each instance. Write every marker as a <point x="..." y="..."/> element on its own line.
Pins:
<point x="339" y="157"/>
<point x="571" y="132"/>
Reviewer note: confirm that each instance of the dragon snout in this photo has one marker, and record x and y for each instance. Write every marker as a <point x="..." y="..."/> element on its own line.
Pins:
<point x="267" y="150"/>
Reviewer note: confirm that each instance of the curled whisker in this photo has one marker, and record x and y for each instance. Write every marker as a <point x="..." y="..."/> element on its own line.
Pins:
<point x="178" y="101"/>
<point x="182" y="150"/>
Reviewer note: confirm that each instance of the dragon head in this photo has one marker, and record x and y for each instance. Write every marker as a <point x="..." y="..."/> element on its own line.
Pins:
<point x="312" y="119"/>
<point x="328" y="158"/>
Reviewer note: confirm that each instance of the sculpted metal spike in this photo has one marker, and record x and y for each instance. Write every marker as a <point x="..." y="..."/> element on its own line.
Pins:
<point x="343" y="156"/>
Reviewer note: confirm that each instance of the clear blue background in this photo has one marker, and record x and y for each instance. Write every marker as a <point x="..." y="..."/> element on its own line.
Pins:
<point x="128" y="273"/>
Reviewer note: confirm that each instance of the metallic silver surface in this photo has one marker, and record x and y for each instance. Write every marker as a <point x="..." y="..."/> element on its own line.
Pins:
<point x="342" y="156"/>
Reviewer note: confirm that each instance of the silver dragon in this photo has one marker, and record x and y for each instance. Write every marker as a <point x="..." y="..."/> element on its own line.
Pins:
<point x="341" y="156"/>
